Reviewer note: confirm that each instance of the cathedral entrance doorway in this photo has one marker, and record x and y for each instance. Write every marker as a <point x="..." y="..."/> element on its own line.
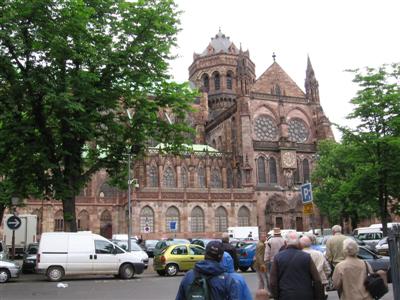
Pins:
<point x="106" y="224"/>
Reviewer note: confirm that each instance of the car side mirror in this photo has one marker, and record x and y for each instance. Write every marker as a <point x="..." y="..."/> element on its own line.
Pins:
<point x="114" y="251"/>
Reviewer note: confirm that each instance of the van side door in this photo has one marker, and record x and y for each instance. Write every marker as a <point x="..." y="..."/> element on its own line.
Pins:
<point x="105" y="259"/>
<point x="80" y="254"/>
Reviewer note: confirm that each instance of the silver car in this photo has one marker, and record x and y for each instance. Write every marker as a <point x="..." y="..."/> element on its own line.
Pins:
<point x="8" y="269"/>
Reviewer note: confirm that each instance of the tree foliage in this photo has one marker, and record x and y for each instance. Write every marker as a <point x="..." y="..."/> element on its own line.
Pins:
<point x="366" y="166"/>
<point x="68" y="72"/>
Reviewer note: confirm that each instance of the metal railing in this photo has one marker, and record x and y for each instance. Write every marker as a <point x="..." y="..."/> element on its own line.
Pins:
<point x="394" y="252"/>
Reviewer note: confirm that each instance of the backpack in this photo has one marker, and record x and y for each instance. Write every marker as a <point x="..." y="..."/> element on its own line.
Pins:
<point x="375" y="284"/>
<point x="199" y="288"/>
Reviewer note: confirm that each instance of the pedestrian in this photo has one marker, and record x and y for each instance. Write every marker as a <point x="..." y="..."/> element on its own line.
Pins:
<point x="230" y="249"/>
<point x="294" y="275"/>
<point x="272" y="247"/>
<point x="334" y="246"/>
<point x="227" y="264"/>
<point x="250" y="236"/>
<point x="260" y="264"/>
<point x="221" y="284"/>
<point x="350" y="274"/>
<point x="319" y="260"/>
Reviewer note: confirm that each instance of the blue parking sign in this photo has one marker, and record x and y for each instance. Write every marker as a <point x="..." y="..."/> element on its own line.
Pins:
<point x="172" y="225"/>
<point x="306" y="193"/>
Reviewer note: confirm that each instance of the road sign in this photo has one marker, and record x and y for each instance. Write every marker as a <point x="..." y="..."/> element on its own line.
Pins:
<point x="146" y="228"/>
<point x="308" y="208"/>
<point x="13" y="222"/>
<point x="172" y="225"/>
<point x="306" y="193"/>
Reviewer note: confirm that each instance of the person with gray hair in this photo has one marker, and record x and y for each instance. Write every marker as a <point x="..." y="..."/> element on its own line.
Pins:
<point x="318" y="258"/>
<point x="350" y="274"/>
<point x="334" y="246"/>
<point x="293" y="274"/>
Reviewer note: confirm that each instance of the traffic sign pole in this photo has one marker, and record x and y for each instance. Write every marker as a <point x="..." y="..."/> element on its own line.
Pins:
<point x="13" y="245"/>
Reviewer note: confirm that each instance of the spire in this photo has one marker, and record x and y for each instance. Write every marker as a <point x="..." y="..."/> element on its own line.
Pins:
<point x="273" y="56"/>
<point x="311" y="83"/>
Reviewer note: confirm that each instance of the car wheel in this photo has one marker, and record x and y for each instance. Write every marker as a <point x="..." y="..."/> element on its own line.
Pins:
<point x="161" y="272"/>
<point x="172" y="269"/>
<point x="4" y="275"/>
<point x="126" y="271"/>
<point x="55" y="273"/>
<point x="252" y="269"/>
<point x="243" y="269"/>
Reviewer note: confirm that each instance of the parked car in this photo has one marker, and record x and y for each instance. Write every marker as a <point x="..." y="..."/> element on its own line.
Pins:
<point x="240" y="243"/>
<point x="376" y="261"/>
<point x="176" y="258"/>
<point x="29" y="259"/>
<point x="322" y="243"/>
<point x="165" y="243"/>
<point x="8" y="269"/>
<point x="382" y="247"/>
<point x="369" y="235"/>
<point x="71" y="253"/>
<point x="3" y="251"/>
<point x="134" y="248"/>
<point x="149" y="246"/>
<point x="203" y="242"/>
<point x="246" y="255"/>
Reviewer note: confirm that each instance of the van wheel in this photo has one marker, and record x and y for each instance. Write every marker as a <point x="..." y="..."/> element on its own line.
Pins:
<point x="126" y="271"/>
<point x="171" y="269"/>
<point x="4" y="275"/>
<point x="55" y="273"/>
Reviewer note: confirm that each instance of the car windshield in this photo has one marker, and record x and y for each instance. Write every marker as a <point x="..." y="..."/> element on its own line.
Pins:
<point x="32" y="250"/>
<point x="248" y="246"/>
<point x="151" y="243"/>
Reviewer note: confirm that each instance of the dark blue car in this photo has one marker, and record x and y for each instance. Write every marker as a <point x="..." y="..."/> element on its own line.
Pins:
<point x="246" y="255"/>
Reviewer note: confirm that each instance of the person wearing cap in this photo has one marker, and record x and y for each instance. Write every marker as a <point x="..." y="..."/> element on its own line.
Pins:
<point x="272" y="247"/>
<point x="222" y="285"/>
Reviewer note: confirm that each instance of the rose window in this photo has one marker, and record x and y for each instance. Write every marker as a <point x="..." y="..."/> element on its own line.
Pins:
<point x="265" y="128"/>
<point x="298" y="131"/>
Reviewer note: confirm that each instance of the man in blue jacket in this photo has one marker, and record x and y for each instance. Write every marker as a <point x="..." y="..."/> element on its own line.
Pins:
<point x="221" y="284"/>
<point x="227" y="264"/>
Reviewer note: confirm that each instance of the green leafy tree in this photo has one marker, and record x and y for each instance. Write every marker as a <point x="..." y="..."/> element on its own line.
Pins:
<point x="359" y="178"/>
<point x="69" y="70"/>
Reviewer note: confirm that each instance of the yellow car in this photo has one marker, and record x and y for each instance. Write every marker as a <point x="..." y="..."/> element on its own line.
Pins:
<point x="176" y="258"/>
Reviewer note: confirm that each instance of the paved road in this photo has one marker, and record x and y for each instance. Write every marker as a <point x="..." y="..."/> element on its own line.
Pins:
<point x="148" y="286"/>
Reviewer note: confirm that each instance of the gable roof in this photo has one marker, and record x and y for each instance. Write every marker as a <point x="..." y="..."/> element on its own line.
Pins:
<point x="273" y="76"/>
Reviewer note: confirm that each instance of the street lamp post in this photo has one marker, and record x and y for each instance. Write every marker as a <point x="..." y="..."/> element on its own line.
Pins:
<point x="129" y="204"/>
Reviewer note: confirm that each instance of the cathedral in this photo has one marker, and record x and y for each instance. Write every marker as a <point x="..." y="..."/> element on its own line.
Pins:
<point x="255" y="144"/>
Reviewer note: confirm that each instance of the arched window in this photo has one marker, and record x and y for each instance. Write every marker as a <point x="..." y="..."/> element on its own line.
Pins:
<point x="217" y="81"/>
<point x="197" y="220"/>
<point x="152" y="176"/>
<point x="172" y="219"/>
<point x="169" y="178"/>
<point x="306" y="171"/>
<point x="83" y="220"/>
<point x="229" y="81"/>
<point x="106" y="224"/>
<point x="206" y="82"/>
<point x="238" y="178"/>
<point x="221" y="220"/>
<point x="146" y="220"/>
<point x="297" y="174"/>
<point x="261" y="170"/>
<point x="202" y="177"/>
<point x="273" y="177"/>
<point x="216" y="181"/>
<point x="229" y="178"/>
<point x="184" y="177"/>
<point x="107" y="191"/>
<point x="244" y="216"/>
<point x="59" y="221"/>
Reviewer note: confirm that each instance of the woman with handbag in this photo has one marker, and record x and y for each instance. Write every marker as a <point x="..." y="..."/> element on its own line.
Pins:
<point x="350" y="274"/>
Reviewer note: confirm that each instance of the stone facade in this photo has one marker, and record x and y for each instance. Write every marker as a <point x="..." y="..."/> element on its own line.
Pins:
<point x="261" y="137"/>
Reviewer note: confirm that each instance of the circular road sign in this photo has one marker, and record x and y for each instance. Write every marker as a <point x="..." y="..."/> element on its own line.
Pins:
<point x="13" y="222"/>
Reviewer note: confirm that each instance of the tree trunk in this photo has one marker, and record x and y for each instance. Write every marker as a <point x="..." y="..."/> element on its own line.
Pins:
<point x="2" y="209"/>
<point x="69" y="214"/>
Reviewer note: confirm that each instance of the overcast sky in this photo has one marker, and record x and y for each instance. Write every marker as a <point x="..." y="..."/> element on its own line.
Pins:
<point x="337" y="35"/>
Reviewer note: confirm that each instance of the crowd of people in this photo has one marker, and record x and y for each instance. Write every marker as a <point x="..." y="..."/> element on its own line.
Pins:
<point x="287" y="269"/>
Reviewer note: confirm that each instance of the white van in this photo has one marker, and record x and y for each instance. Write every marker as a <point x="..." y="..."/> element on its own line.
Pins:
<point x="369" y="235"/>
<point x="72" y="253"/>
